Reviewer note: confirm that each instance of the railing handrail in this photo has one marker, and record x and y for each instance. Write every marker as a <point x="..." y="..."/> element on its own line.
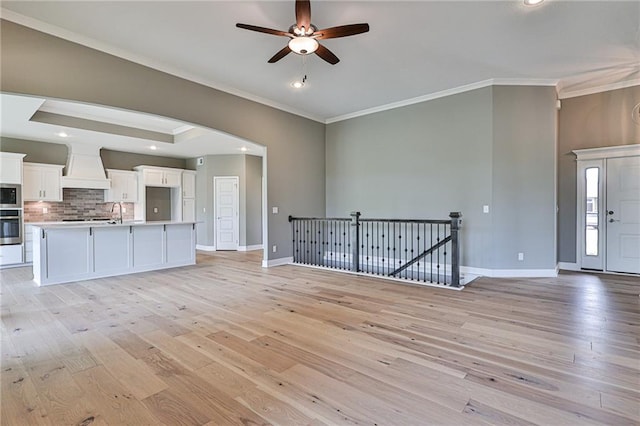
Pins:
<point x="433" y="221"/>
<point x="347" y="219"/>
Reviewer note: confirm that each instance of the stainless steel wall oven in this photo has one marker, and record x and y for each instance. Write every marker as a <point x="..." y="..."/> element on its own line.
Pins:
<point x="10" y="226"/>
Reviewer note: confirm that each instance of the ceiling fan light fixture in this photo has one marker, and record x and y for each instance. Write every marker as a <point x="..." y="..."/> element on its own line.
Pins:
<point x="303" y="45"/>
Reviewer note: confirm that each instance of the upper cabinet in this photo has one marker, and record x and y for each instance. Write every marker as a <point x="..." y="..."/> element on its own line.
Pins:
<point x="160" y="176"/>
<point x="11" y="167"/>
<point x="124" y="186"/>
<point x="42" y="182"/>
<point x="189" y="184"/>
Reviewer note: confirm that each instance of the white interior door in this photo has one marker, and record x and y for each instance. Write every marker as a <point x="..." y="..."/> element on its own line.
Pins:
<point x="226" y="208"/>
<point x="623" y="214"/>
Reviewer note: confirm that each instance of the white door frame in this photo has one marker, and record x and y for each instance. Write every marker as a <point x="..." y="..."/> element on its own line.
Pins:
<point x="596" y="157"/>
<point x="236" y="230"/>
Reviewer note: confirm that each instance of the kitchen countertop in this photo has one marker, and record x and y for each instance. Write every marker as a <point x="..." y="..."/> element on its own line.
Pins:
<point x="96" y="224"/>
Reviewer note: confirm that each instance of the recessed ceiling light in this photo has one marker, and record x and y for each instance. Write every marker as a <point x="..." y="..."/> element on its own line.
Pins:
<point x="532" y="2"/>
<point x="62" y="134"/>
<point x="297" y="84"/>
<point x="153" y="147"/>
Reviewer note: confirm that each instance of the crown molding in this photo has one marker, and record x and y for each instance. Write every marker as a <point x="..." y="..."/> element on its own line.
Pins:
<point x="445" y="93"/>
<point x="562" y="94"/>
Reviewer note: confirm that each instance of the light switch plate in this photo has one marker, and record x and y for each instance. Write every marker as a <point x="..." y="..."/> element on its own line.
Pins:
<point x="485" y="209"/>
<point x="274" y="210"/>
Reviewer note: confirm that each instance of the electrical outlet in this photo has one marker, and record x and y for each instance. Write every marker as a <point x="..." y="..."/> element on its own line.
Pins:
<point x="274" y="210"/>
<point x="124" y="210"/>
<point x="155" y="210"/>
<point x="485" y="209"/>
<point x="45" y="210"/>
<point x="520" y="256"/>
<point x="274" y="248"/>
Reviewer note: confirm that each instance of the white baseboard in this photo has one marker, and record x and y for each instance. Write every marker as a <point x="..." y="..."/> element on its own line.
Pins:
<point x="205" y="248"/>
<point x="568" y="266"/>
<point x="277" y="262"/>
<point x="511" y="273"/>
<point x="250" y="248"/>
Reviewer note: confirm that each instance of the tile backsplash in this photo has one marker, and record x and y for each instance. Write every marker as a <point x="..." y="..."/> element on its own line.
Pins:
<point x="76" y="204"/>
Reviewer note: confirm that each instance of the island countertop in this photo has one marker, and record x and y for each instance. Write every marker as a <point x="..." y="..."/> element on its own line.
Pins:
<point x="96" y="223"/>
<point x="74" y="251"/>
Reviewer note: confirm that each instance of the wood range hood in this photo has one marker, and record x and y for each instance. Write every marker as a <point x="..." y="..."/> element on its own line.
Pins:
<point x="84" y="168"/>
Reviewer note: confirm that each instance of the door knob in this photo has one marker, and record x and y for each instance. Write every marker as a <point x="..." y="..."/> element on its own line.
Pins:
<point x="613" y="220"/>
<point x="610" y="212"/>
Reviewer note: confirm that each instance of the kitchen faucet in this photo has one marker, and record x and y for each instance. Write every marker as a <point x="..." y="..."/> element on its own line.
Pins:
<point x="120" y="209"/>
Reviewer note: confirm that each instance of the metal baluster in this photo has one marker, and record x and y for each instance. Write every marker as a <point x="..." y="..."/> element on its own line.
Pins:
<point x="377" y="266"/>
<point x="431" y="260"/>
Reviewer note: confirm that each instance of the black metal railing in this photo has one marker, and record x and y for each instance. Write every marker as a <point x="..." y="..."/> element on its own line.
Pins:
<point x="409" y="249"/>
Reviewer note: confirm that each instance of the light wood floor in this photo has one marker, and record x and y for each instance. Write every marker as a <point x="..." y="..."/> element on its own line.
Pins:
<point x="228" y="342"/>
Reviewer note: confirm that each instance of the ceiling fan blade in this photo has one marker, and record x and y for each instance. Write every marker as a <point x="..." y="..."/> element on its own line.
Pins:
<point x="281" y="54"/>
<point x="341" y="31"/>
<point x="327" y="55"/>
<point x="303" y="14"/>
<point x="263" y="30"/>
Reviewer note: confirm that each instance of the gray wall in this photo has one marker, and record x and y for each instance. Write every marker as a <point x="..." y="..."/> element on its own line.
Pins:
<point x="127" y="161"/>
<point x="37" y="152"/>
<point x="421" y="161"/>
<point x="253" y="175"/>
<point x="523" y="164"/>
<point x="592" y="121"/>
<point x="53" y="153"/>
<point x="249" y="171"/>
<point x="42" y="65"/>
<point x="458" y="153"/>
<point x="158" y="203"/>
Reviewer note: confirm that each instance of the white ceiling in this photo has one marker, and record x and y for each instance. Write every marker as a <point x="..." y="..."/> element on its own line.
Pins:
<point x="187" y="141"/>
<point x="414" y="50"/>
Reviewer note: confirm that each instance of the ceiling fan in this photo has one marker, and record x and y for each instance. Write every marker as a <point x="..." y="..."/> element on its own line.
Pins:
<point x="304" y="35"/>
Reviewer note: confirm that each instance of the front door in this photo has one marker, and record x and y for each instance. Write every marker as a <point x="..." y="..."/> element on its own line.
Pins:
<point x="226" y="208"/>
<point x="623" y="214"/>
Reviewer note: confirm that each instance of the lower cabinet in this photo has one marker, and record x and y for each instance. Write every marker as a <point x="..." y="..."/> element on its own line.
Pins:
<point x="28" y="244"/>
<point x="111" y="250"/>
<point x="64" y="254"/>
<point x="179" y="239"/>
<point x="68" y="254"/>
<point x="11" y="254"/>
<point x="148" y="247"/>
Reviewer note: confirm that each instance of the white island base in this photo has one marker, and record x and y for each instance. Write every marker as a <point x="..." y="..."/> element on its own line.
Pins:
<point x="74" y="252"/>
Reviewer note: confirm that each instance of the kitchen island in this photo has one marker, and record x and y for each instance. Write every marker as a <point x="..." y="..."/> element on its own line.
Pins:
<point x="77" y="251"/>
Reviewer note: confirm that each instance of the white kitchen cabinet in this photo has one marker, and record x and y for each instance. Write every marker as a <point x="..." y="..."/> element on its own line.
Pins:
<point x="68" y="254"/>
<point x="179" y="240"/>
<point x="11" y="254"/>
<point x="111" y="249"/>
<point x="124" y="186"/>
<point x="149" y="248"/>
<point x="188" y="184"/>
<point x="75" y="252"/>
<point x="189" y="210"/>
<point x="160" y="176"/>
<point x="11" y="167"/>
<point x="42" y="182"/>
<point x="28" y="243"/>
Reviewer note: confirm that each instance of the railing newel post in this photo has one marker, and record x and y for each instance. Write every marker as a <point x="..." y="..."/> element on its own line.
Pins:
<point x="455" y="248"/>
<point x="355" y="241"/>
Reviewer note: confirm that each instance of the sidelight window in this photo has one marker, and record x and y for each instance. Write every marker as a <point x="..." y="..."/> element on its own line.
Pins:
<point x="592" y="231"/>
